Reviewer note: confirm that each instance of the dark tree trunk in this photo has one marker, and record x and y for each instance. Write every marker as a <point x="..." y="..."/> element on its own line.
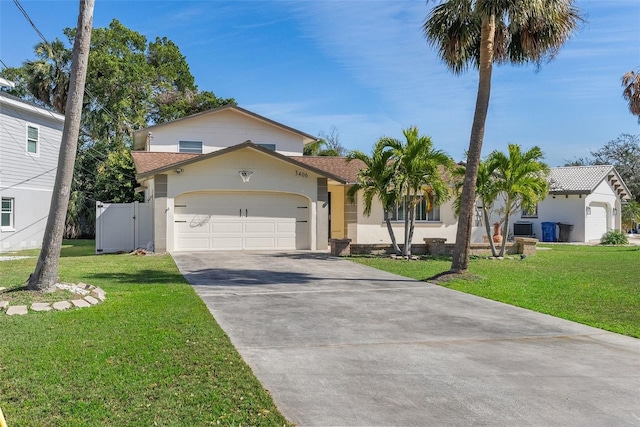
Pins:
<point x="45" y="275"/>
<point x="460" y="262"/>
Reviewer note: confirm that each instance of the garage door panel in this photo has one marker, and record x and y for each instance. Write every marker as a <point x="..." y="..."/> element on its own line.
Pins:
<point x="192" y="227"/>
<point x="259" y="227"/>
<point x="227" y="227"/>
<point x="286" y="227"/>
<point x="223" y="242"/>
<point x="196" y="243"/>
<point x="236" y="221"/>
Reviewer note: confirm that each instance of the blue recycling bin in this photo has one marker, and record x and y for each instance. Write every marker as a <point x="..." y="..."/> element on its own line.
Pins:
<point x="548" y="231"/>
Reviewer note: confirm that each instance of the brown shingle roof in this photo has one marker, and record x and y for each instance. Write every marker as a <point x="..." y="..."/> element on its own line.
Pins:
<point x="147" y="161"/>
<point x="338" y="166"/>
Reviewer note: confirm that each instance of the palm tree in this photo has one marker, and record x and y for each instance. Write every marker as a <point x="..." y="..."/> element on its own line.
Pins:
<point x="418" y="175"/>
<point x="320" y="147"/>
<point x="631" y="92"/>
<point x="48" y="76"/>
<point x="630" y="214"/>
<point x="375" y="180"/>
<point x="477" y="33"/>
<point x="521" y="179"/>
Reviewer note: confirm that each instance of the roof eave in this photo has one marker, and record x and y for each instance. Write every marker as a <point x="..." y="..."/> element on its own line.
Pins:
<point x="246" y="144"/>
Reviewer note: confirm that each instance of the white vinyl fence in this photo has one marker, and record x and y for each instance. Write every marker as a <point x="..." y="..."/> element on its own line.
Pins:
<point x="123" y="227"/>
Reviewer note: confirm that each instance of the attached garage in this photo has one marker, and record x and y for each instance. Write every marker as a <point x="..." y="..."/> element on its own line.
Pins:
<point x="597" y="221"/>
<point x="216" y="220"/>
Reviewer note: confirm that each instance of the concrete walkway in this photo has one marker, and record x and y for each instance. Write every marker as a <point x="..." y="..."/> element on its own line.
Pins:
<point x="337" y="343"/>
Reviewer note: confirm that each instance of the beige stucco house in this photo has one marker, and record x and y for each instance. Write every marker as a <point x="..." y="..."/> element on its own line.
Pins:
<point x="229" y="179"/>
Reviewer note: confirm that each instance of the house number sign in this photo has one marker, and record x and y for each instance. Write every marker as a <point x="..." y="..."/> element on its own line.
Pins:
<point x="302" y="174"/>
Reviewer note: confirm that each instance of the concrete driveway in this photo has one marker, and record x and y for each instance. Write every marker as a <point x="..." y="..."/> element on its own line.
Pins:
<point x="338" y="343"/>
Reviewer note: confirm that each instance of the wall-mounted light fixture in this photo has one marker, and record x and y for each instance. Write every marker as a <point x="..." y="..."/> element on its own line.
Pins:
<point x="179" y="170"/>
<point x="588" y="210"/>
<point x="245" y="175"/>
<point x="615" y="211"/>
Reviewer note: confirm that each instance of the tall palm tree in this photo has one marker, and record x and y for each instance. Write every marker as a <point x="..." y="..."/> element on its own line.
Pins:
<point x="48" y="76"/>
<point x="375" y="180"/>
<point x="418" y="175"/>
<point x="631" y="92"/>
<point x="479" y="33"/>
<point x="521" y="179"/>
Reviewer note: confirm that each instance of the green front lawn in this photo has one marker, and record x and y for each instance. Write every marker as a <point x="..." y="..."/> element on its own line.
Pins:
<point x="594" y="285"/>
<point x="151" y="354"/>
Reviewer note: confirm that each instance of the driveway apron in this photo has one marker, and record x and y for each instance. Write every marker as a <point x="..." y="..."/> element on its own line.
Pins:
<point x="338" y="343"/>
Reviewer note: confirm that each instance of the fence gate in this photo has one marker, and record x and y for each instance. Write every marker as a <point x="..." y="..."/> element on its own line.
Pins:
<point x="123" y="227"/>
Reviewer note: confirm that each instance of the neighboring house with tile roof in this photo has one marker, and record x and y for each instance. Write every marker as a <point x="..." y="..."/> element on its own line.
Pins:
<point x="29" y="145"/>
<point x="587" y="199"/>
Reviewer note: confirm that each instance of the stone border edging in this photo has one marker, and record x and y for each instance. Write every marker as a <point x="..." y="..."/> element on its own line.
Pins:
<point x="93" y="295"/>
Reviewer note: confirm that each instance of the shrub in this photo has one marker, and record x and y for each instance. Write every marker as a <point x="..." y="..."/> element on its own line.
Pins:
<point x="614" y="237"/>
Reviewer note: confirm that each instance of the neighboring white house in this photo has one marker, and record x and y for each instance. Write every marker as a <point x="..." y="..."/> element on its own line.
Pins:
<point x="586" y="200"/>
<point x="30" y="139"/>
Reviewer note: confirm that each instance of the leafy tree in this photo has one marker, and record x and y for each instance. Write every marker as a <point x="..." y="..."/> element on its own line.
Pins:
<point x="130" y="84"/>
<point x="520" y="179"/>
<point x="623" y="153"/>
<point x="116" y="178"/>
<point x="479" y="33"/>
<point x="418" y="175"/>
<point x="375" y="180"/>
<point x="332" y="142"/>
<point x="631" y="92"/>
<point x="630" y="215"/>
<point x="319" y="147"/>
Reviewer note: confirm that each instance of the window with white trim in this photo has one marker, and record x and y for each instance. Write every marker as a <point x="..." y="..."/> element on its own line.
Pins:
<point x="6" y="215"/>
<point x="190" y="147"/>
<point x="399" y="211"/>
<point x="33" y="139"/>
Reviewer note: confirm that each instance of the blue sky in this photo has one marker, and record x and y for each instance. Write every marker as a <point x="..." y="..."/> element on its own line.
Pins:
<point x="365" y="68"/>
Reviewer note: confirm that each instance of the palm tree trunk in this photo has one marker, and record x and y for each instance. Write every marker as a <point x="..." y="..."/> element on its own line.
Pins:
<point x="406" y="230"/>
<point x="460" y="262"/>
<point x="392" y="235"/>
<point x="505" y="229"/>
<point x="487" y="227"/>
<point x="45" y="275"/>
<point x="412" y="224"/>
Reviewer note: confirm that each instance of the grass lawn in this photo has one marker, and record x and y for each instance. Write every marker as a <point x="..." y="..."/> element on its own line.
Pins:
<point x="151" y="354"/>
<point x="594" y="285"/>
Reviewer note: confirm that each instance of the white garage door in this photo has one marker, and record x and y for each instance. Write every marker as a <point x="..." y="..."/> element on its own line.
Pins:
<point x="596" y="221"/>
<point x="240" y="221"/>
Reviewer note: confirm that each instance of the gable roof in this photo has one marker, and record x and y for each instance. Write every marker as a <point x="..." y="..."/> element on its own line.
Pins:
<point x="140" y="135"/>
<point x="585" y="179"/>
<point x="149" y="163"/>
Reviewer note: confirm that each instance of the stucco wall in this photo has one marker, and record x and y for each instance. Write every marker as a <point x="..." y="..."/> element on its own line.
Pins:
<point x="224" y="129"/>
<point x="372" y="229"/>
